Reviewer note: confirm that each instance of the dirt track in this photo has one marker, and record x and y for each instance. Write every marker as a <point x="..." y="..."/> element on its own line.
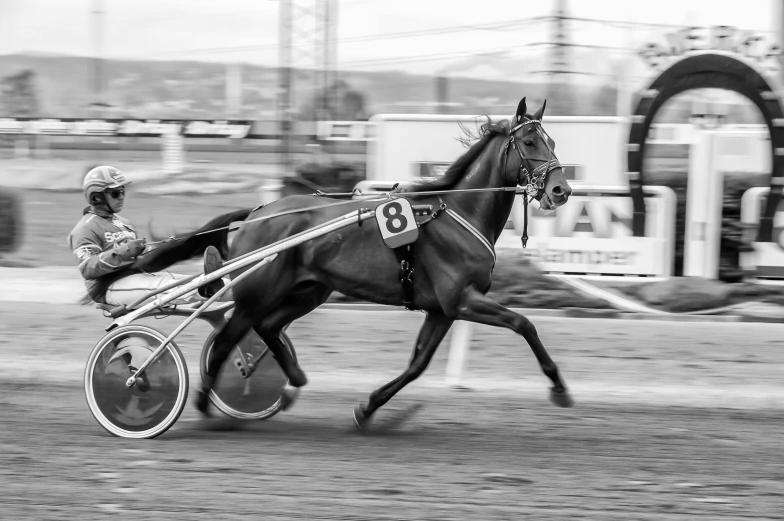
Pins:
<point x="673" y="421"/>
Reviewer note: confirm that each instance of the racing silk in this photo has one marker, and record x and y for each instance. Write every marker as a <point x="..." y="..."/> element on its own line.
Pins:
<point x="93" y="241"/>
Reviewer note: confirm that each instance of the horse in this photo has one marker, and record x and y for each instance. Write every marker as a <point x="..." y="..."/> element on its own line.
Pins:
<point x="449" y="266"/>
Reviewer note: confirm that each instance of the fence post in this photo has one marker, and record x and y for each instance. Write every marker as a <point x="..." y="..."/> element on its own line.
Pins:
<point x="457" y="362"/>
<point x="270" y="190"/>
<point x="173" y="152"/>
<point x="703" y="209"/>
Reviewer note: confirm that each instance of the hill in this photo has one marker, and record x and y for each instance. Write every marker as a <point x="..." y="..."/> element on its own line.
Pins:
<point x="65" y="86"/>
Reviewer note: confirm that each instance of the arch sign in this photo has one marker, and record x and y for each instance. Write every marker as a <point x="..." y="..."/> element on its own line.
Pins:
<point x="720" y="58"/>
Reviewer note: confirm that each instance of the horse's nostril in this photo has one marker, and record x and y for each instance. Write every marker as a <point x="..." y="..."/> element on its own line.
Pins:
<point x="562" y="192"/>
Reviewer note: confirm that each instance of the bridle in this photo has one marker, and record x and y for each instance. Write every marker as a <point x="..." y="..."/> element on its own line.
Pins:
<point x="532" y="179"/>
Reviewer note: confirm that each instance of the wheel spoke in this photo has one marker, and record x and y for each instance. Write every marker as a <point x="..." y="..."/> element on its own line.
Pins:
<point x="258" y="359"/>
<point x="148" y="408"/>
<point x="257" y="396"/>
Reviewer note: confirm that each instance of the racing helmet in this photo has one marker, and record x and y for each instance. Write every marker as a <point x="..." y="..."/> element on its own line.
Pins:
<point x="102" y="177"/>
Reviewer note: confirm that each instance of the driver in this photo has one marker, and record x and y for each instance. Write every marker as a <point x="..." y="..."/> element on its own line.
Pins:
<point x="104" y="242"/>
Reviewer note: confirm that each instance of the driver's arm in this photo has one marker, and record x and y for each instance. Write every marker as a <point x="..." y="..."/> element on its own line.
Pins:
<point x="94" y="262"/>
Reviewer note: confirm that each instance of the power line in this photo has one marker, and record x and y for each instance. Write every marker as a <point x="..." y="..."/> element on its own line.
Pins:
<point x="504" y="25"/>
<point x="630" y="24"/>
<point x="374" y="37"/>
<point x="517" y="49"/>
<point x="582" y="46"/>
<point x="495" y="26"/>
<point x="425" y="57"/>
<point x="456" y="54"/>
<point x="626" y="24"/>
<point x="446" y="30"/>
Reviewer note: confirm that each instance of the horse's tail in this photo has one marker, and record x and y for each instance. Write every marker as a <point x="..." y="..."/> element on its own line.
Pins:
<point x="184" y="247"/>
<point x="189" y="245"/>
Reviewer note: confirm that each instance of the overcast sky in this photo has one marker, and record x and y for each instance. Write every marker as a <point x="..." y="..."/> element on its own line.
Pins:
<point x="247" y="30"/>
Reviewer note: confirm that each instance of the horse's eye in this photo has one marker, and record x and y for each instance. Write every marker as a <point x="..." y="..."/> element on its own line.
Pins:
<point x="528" y="142"/>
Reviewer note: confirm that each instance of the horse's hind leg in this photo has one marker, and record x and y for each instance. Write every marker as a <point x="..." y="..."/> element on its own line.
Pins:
<point x="303" y="299"/>
<point x="234" y="330"/>
<point x="430" y="335"/>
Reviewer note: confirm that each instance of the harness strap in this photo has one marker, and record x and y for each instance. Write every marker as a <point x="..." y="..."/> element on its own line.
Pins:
<point x="524" y="237"/>
<point x="406" y="258"/>
<point x="468" y="226"/>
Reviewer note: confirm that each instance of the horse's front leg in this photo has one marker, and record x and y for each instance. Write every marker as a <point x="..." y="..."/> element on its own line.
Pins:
<point x="430" y="335"/>
<point x="476" y="307"/>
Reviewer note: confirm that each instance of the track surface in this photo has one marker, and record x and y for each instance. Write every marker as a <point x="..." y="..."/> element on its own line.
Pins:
<point x="673" y="421"/>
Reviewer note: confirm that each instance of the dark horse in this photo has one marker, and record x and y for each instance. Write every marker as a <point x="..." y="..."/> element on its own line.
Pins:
<point x="452" y="261"/>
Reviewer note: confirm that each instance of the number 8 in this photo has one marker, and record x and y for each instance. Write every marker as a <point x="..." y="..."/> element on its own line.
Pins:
<point x="396" y="216"/>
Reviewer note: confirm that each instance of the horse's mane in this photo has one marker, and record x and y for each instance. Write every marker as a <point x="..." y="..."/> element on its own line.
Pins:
<point x="476" y="144"/>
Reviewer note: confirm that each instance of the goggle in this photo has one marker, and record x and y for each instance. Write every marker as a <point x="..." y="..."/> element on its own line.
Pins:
<point x="116" y="193"/>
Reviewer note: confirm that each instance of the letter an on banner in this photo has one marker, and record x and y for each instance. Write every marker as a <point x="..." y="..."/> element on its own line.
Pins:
<point x="397" y="223"/>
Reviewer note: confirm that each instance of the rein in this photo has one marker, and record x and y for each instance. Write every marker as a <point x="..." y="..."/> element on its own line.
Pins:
<point x="437" y="192"/>
<point x="388" y="195"/>
<point x="535" y="181"/>
<point x="232" y="228"/>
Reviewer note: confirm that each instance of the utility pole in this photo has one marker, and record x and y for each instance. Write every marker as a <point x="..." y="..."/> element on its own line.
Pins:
<point x="319" y="37"/>
<point x="623" y="90"/>
<point x="99" y="66"/>
<point x="330" y="57"/>
<point x="780" y="16"/>
<point x="306" y="46"/>
<point x="558" y="53"/>
<point x="285" y="96"/>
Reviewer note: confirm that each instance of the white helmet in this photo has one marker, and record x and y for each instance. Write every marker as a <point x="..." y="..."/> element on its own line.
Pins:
<point x="102" y="177"/>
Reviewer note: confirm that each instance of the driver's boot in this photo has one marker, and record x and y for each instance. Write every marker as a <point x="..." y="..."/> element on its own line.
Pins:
<point x="212" y="262"/>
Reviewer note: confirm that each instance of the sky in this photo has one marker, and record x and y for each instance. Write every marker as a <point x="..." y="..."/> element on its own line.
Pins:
<point x="417" y="36"/>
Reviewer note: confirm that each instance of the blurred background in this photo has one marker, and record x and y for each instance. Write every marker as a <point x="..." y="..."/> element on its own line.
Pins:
<point x="243" y="101"/>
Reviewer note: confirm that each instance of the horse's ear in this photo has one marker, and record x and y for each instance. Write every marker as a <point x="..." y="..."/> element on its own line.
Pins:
<point x="540" y="112"/>
<point x="521" y="109"/>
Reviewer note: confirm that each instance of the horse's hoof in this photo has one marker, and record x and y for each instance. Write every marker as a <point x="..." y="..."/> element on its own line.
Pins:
<point x="360" y="418"/>
<point x="289" y="397"/>
<point x="297" y="378"/>
<point x="203" y="403"/>
<point x="561" y="398"/>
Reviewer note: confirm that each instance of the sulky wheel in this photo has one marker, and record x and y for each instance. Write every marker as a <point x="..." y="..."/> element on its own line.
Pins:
<point x="249" y="391"/>
<point x="150" y="407"/>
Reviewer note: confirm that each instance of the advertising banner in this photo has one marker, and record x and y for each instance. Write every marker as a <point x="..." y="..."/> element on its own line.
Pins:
<point x="126" y="127"/>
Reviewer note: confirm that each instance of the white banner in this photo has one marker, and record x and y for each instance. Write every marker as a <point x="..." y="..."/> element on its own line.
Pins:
<point x="592" y="233"/>
<point x="622" y="256"/>
<point x="403" y="140"/>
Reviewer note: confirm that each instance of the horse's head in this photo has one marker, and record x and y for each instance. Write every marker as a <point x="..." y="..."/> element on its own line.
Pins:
<point x="538" y="170"/>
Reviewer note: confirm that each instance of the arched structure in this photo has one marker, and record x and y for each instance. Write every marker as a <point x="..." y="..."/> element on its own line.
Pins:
<point x="717" y="70"/>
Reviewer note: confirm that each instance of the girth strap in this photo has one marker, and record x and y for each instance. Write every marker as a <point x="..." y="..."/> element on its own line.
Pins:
<point x="406" y="258"/>
<point x="423" y="213"/>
